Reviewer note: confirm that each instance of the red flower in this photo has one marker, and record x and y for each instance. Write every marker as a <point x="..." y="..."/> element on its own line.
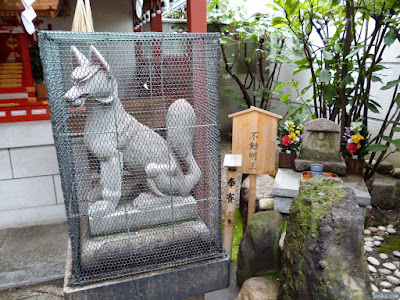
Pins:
<point x="286" y="141"/>
<point x="351" y="148"/>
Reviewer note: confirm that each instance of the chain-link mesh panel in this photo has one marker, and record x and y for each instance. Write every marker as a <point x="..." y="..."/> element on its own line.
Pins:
<point x="136" y="126"/>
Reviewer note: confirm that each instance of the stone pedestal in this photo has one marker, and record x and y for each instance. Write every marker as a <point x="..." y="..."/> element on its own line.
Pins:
<point x="383" y="193"/>
<point x="147" y="210"/>
<point x="287" y="184"/>
<point x="156" y="246"/>
<point x="338" y="167"/>
<point x="171" y="283"/>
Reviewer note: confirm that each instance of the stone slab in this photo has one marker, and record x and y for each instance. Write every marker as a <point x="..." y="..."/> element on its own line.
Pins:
<point x="34" y="161"/>
<point x="337" y="167"/>
<point x="282" y="204"/>
<point x="359" y="187"/>
<point x="287" y="184"/>
<point x="27" y="192"/>
<point x="32" y="216"/>
<point x="25" y="134"/>
<point x="129" y="217"/>
<point x="31" y="255"/>
<point x="5" y="165"/>
<point x="171" y="283"/>
<point x="58" y="188"/>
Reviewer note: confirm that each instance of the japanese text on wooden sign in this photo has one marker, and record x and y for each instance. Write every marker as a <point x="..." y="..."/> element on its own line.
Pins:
<point x="254" y="136"/>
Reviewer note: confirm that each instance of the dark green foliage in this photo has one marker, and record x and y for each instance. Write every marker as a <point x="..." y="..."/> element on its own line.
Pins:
<point x="36" y="64"/>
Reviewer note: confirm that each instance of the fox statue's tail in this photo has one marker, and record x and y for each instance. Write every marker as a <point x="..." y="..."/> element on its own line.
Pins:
<point x="170" y="179"/>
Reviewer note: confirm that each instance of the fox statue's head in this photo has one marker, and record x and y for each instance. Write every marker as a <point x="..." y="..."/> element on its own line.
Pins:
<point x="91" y="78"/>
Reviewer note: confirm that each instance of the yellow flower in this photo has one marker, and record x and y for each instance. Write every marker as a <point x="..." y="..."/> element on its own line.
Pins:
<point x="358" y="146"/>
<point x="355" y="139"/>
<point x="292" y="136"/>
<point x="297" y="132"/>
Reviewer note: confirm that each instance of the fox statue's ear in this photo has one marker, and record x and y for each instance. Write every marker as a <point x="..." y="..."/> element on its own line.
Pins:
<point x="78" y="59"/>
<point x="97" y="59"/>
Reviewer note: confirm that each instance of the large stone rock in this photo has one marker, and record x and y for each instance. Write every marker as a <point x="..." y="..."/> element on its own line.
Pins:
<point x="259" y="252"/>
<point x="264" y="184"/>
<point x="383" y="192"/>
<point x="258" y="288"/>
<point x="323" y="257"/>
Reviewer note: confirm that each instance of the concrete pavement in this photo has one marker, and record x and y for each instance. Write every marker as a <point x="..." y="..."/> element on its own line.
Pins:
<point x="32" y="264"/>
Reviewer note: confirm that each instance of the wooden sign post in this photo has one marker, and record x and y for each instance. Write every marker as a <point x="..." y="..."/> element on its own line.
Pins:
<point x="254" y="136"/>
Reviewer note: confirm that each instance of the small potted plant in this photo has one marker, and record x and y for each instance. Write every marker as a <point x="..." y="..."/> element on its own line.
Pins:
<point x="355" y="147"/>
<point x="289" y="140"/>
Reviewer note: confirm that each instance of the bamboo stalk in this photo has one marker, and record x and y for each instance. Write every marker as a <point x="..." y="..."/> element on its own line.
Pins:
<point x="229" y="223"/>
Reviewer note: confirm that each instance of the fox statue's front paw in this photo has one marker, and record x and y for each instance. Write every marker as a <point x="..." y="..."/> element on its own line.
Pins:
<point x="111" y="196"/>
<point x="103" y="207"/>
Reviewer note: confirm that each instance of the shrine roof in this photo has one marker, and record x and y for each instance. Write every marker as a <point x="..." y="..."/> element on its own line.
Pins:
<point x="253" y="108"/>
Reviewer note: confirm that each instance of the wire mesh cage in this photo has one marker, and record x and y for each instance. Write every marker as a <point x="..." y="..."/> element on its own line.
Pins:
<point x="135" y="120"/>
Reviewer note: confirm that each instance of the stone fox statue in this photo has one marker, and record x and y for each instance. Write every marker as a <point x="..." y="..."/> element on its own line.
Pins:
<point x="117" y="139"/>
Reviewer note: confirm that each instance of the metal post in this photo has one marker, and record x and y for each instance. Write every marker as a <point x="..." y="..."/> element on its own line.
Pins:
<point x="196" y="15"/>
<point x="156" y="22"/>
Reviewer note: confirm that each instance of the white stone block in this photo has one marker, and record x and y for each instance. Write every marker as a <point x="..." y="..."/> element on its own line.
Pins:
<point x="34" y="161"/>
<point x="287" y="183"/>
<point x="25" y="134"/>
<point x="58" y="188"/>
<point x="5" y="165"/>
<point x="27" y="192"/>
<point x="43" y="215"/>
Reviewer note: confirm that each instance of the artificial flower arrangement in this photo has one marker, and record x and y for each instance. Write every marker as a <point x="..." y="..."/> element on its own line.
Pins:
<point x="289" y="138"/>
<point x="356" y="140"/>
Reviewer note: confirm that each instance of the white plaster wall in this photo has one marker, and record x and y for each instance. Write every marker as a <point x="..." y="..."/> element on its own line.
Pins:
<point x="30" y="187"/>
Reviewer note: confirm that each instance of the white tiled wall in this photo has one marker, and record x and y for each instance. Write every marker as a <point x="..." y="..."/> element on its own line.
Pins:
<point x="30" y="185"/>
<point x="34" y="161"/>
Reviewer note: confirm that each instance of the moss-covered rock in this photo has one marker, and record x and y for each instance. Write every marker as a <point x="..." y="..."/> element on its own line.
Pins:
<point x="259" y="253"/>
<point x="323" y="255"/>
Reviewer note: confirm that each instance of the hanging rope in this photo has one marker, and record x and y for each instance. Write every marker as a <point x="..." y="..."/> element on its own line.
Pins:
<point x="83" y="20"/>
<point x="28" y="15"/>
